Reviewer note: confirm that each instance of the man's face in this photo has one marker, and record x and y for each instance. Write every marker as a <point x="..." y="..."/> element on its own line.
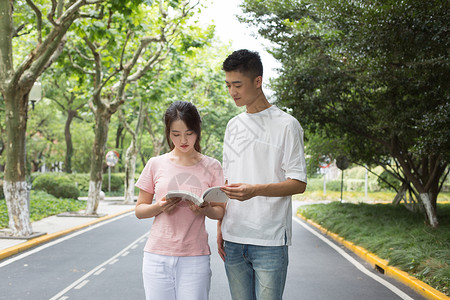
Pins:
<point x="242" y="88"/>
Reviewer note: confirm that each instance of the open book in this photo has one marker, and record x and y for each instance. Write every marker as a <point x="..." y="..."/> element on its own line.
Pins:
<point x="213" y="194"/>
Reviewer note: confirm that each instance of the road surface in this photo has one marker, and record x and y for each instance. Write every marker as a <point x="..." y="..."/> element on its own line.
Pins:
<point x="104" y="262"/>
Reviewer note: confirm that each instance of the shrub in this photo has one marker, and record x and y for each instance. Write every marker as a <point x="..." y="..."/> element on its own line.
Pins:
<point x="116" y="182"/>
<point x="58" y="185"/>
<point x="334" y="185"/>
<point x="81" y="181"/>
<point x="389" y="178"/>
<point x="314" y="184"/>
<point x="67" y="190"/>
<point x="354" y="185"/>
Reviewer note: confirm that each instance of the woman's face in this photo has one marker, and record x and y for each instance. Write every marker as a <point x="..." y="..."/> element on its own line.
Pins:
<point x="182" y="137"/>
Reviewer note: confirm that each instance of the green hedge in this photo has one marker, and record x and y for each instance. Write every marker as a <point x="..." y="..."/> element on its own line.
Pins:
<point x="117" y="182"/>
<point x="56" y="184"/>
<point x="350" y="185"/>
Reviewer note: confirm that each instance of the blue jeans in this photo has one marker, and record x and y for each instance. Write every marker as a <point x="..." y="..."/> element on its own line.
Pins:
<point x="256" y="272"/>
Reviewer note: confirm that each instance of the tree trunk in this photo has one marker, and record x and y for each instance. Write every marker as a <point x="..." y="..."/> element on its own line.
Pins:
<point x="103" y="118"/>
<point x="131" y="154"/>
<point x="130" y="169"/>
<point x="95" y="187"/>
<point x="16" y="195"/>
<point x="15" y="185"/>
<point x="430" y="209"/>
<point x="424" y="173"/>
<point x="69" y="145"/>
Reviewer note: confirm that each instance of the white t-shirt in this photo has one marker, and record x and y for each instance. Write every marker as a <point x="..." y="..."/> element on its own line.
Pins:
<point x="261" y="148"/>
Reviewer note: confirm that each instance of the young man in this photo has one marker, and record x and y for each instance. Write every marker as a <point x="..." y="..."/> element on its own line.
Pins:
<point x="264" y="164"/>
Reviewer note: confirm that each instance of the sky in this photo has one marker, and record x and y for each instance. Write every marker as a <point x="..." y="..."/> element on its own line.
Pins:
<point x="228" y="28"/>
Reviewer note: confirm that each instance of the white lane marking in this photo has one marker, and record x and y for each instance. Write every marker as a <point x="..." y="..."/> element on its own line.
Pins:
<point x="81" y="284"/>
<point x="99" y="271"/>
<point x="94" y="270"/>
<point x="353" y="261"/>
<point x="59" y="240"/>
<point x="113" y="262"/>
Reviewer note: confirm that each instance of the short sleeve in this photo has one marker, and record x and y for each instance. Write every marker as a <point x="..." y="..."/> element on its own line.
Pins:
<point x="225" y="157"/>
<point x="217" y="171"/>
<point x="146" y="179"/>
<point x="294" y="157"/>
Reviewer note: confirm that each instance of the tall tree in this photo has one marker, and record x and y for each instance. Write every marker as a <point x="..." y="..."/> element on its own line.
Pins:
<point x="117" y="52"/>
<point x="17" y="79"/>
<point x="132" y="151"/>
<point x="373" y="74"/>
<point x="44" y="136"/>
<point x="69" y="97"/>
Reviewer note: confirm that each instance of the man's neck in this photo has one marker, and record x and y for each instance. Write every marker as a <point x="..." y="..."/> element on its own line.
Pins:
<point x="261" y="103"/>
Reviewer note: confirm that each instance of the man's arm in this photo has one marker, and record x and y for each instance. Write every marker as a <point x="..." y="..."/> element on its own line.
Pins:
<point x="220" y="242"/>
<point x="245" y="191"/>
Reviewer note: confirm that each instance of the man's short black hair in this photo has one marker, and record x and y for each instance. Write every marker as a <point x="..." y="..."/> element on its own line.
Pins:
<point x="244" y="61"/>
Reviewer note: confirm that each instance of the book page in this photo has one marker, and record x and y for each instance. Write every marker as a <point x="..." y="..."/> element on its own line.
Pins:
<point x="185" y="195"/>
<point x="215" y="194"/>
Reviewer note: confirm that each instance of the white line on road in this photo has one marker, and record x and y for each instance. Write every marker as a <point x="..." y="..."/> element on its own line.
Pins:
<point x="81" y="284"/>
<point x="353" y="261"/>
<point x="59" y="240"/>
<point x="99" y="271"/>
<point x="96" y="269"/>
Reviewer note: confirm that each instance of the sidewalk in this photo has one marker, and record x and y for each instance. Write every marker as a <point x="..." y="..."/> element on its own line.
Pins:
<point x="55" y="226"/>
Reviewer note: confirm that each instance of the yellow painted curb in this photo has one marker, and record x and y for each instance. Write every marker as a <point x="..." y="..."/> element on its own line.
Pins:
<point x="382" y="265"/>
<point x="48" y="237"/>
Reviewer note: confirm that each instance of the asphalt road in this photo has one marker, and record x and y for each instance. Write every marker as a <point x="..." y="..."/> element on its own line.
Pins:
<point x="104" y="262"/>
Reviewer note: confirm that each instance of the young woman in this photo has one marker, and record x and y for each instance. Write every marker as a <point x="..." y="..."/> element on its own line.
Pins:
<point x="176" y="262"/>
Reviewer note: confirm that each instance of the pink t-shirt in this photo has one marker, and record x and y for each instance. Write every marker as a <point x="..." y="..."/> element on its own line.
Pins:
<point x="180" y="233"/>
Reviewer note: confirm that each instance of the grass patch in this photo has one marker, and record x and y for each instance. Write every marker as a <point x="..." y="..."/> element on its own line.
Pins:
<point x="355" y="197"/>
<point x="393" y="233"/>
<point x="43" y="205"/>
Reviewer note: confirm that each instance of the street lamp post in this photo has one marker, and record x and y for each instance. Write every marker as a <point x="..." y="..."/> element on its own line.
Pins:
<point x="35" y="94"/>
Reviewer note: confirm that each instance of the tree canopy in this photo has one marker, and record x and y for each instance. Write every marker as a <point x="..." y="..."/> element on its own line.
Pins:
<point x="372" y="75"/>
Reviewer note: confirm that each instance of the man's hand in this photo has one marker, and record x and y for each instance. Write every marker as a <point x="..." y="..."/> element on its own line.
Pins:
<point x="220" y="246"/>
<point x="240" y="191"/>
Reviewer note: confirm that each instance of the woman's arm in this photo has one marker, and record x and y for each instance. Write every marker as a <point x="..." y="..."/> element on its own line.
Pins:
<point x="146" y="209"/>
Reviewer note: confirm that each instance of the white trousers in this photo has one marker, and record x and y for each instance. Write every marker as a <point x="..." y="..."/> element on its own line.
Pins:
<point x="176" y="277"/>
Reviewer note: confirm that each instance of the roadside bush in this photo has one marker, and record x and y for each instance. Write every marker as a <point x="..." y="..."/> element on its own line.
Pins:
<point x="81" y="180"/>
<point x="116" y="182"/>
<point x="389" y="178"/>
<point x="354" y="185"/>
<point x="60" y="186"/>
<point x="315" y="184"/>
<point x="335" y="185"/>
